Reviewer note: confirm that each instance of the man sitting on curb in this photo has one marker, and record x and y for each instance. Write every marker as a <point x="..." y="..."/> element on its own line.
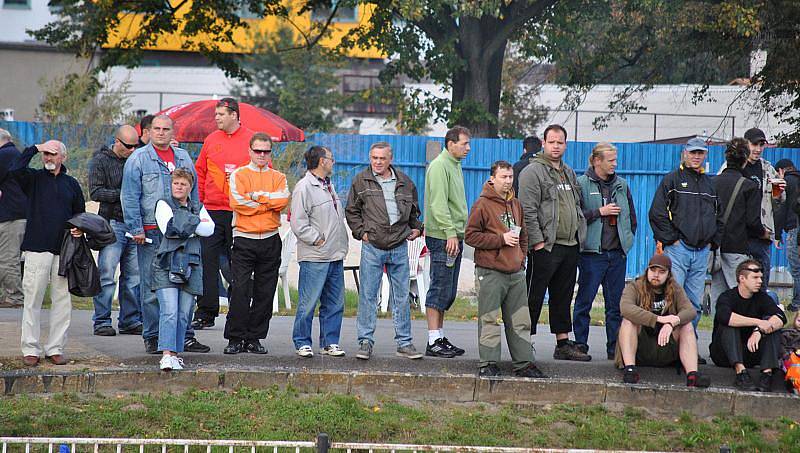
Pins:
<point x="656" y="327"/>
<point x="747" y="317"/>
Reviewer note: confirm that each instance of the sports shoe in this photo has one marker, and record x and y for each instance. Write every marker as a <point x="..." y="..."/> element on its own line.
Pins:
<point x="630" y="375"/>
<point x="151" y="345"/>
<point x="569" y="351"/>
<point x="177" y="363"/>
<point x="200" y="323"/>
<point x="254" y="347"/>
<point x="793" y="307"/>
<point x="744" y="382"/>
<point x="105" y="331"/>
<point x="137" y="330"/>
<point x="456" y="350"/>
<point x="332" y="350"/>
<point x="166" y="363"/>
<point x="234" y="347"/>
<point x="530" y="371"/>
<point x="409" y="352"/>
<point x="764" y="382"/>
<point x="584" y="348"/>
<point x="489" y="371"/>
<point x="305" y="351"/>
<point x="364" y="351"/>
<point x="192" y="345"/>
<point x="695" y="379"/>
<point x="439" y="349"/>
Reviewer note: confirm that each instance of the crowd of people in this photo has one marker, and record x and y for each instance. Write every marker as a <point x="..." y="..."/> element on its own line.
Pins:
<point x="537" y="229"/>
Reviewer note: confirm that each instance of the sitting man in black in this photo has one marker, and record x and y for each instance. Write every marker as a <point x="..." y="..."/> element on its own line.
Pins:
<point x="747" y="329"/>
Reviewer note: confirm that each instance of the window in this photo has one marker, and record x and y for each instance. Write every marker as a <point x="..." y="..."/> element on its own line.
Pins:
<point x="343" y="14"/>
<point x="18" y="4"/>
<point x="353" y="84"/>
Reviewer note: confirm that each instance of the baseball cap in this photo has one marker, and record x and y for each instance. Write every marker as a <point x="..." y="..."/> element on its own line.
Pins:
<point x="755" y="135"/>
<point x="661" y="261"/>
<point x="696" y="143"/>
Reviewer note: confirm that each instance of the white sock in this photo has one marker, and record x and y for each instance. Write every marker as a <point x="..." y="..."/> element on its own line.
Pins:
<point x="441" y="333"/>
<point x="433" y="335"/>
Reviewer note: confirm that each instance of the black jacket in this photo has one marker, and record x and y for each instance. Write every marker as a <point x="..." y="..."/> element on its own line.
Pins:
<point x="785" y="216"/>
<point x="520" y="165"/>
<point x="75" y="259"/>
<point x="12" y="199"/>
<point x="366" y="210"/>
<point x="745" y="220"/>
<point x="105" y="183"/>
<point x="685" y="207"/>
<point x="52" y="200"/>
<point x="98" y="231"/>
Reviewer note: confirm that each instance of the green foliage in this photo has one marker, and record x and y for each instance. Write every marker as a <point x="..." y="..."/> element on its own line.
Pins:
<point x="520" y="115"/>
<point x="297" y="83"/>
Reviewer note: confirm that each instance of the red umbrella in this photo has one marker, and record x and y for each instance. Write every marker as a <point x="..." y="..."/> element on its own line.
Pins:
<point x="194" y="121"/>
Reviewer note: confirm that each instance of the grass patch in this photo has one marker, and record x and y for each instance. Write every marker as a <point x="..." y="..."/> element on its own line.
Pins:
<point x="285" y="415"/>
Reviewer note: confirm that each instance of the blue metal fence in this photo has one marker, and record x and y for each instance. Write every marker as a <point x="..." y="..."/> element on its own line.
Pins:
<point x="643" y="165"/>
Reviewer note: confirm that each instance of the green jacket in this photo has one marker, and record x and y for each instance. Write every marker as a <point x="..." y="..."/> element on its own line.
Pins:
<point x="445" y="199"/>
<point x="592" y="199"/>
<point x="538" y="193"/>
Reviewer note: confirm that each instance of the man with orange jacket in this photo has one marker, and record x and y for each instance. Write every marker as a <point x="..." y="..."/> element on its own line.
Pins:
<point x="223" y="151"/>
<point x="257" y="195"/>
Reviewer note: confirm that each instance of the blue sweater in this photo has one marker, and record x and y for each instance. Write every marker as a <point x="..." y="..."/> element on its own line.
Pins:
<point x="52" y="200"/>
<point x="12" y="199"/>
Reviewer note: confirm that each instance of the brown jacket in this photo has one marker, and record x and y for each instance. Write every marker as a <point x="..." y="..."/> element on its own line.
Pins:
<point x="487" y="222"/>
<point x="631" y="310"/>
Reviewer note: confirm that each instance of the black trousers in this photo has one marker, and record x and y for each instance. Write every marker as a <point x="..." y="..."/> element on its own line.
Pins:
<point x="248" y="319"/>
<point x="554" y="272"/>
<point x="732" y="348"/>
<point x="213" y="248"/>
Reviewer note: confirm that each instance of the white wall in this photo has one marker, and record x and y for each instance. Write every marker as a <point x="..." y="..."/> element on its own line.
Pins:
<point x="14" y="21"/>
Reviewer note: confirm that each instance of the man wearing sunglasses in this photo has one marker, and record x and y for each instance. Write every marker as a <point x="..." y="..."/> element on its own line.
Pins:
<point x="105" y="185"/>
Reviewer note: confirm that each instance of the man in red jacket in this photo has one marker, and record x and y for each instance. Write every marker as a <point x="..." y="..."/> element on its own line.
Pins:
<point x="223" y="151"/>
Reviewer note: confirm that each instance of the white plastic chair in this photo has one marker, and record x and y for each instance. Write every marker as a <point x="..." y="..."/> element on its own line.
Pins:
<point x="289" y="244"/>
<point x="417" y="274"/>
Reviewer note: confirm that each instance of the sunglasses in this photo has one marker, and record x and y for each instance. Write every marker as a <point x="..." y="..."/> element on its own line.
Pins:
<point x="758" y="269"/>
<point x="126" y="144"/>
<point x="261" y="151"/>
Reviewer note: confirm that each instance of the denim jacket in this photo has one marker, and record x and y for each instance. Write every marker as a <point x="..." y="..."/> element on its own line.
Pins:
<point x="145" y="180"/>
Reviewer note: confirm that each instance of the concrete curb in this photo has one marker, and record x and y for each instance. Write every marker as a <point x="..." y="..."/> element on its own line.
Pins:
<point x="657" y="399"/>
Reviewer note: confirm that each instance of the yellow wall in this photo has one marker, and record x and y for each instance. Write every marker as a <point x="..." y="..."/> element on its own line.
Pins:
<point x="130" y="23"/>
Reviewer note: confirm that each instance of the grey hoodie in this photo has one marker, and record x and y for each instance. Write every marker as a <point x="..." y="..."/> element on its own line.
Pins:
<point x="318" y="214"/>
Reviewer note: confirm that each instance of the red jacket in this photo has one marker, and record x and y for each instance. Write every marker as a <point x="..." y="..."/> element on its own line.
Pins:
<point x="222" y="153"/>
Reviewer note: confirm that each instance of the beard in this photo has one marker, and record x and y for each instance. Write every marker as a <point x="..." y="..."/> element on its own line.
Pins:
<point x="49" y="166"/>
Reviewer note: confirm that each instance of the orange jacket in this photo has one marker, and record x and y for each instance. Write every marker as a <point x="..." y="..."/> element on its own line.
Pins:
<point x="221" y="154"/>
<point x="257" y="197"/>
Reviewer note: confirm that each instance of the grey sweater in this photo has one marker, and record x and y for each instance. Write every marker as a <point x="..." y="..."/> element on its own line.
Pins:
<point x="317" y="213"/>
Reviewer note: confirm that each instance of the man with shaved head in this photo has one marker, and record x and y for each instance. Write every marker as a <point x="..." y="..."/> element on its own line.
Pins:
<point x="54" y="197"/>
<point x="105" y="185"/>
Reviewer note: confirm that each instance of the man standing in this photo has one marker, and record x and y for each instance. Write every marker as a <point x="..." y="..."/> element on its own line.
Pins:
<point x="12" y="225"/>
<point x="550" y="199"/>
<point x="105" y="184"/>
<point x="610" y="215"/>
<point x="683" y="216"/>
<point x="258" y="194"/>
<point x="786" y="220"/>
<point x="445" y="221"/>
<point x="144" y="127"/>
<point x="530" y="146"/>
<point x="656" y="328"/>
<point x="147" y="178"/>
<point x="318" y="222"/>
<point x="53" y="198"/>
<point x="224" y="150"/>
<point x="497" y="231"/>
<point x="747" y="329"/>
<point x="383" y="213"/>
<point x="743" y="222"/>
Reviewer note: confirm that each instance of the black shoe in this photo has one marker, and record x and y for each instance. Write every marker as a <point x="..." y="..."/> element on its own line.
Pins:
<point x="200" y="323"/>
<point x="744" y="382"/>
<point x="254" y="347"/>
<point x="105" y="331"/>
<point x="151" y="345"/>
<point x="611" y="356"/>
<point x="701" y="360"/>
<point x="570" y="351"/>
<point x="695" y="379"/>
<point x="439" y="349"/>
<point x="530" y="371"/>
<point x="630" y="375"/>
<point x="584" y="348"/>
<point x="192" y="345"/>
<point x="235" y="347"/>
<point x="489" y="371"/>
<point x="132" y="331"/>
<point x="764" y="382"/>
<point x="793" y="307"/>
<point x="456" y="350"/>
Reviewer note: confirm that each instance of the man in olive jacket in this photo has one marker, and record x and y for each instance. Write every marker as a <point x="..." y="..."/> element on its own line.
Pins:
<point x="383" y="213"/>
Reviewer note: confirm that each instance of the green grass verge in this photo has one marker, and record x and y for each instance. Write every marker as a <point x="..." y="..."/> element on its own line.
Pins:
<point x="285" y="415"/>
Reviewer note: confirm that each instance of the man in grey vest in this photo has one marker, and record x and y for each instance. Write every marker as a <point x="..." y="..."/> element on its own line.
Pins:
<point x="607" y="204"/>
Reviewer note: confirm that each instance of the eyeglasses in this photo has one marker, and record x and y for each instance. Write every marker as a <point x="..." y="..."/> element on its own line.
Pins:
<point x="758" y="269"/>
<point x="126" y="144"/>
<point x="261" y="151"/>
<point x="330" y="158"/>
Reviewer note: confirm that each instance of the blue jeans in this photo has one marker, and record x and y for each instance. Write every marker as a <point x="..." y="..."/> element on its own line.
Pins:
<point x="324" y="282"/>
<point x="176" y="314"/>
<point x="122" y="253"/>
<point x="760" y="250"/>
<point x="371" y="269"/>
<point x="689" y="266"/>
<point x="146" y="253"/>
<point x="794" y="264"/>
<point x="607" y="269"/>
<point x="444" y="280"/>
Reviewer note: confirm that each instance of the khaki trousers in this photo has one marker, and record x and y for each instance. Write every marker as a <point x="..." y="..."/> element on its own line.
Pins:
<point x="11" y="234"/>
<point x="41" y="269"/>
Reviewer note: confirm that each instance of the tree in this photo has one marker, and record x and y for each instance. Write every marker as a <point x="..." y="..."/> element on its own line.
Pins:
<point x="299" y="84"/>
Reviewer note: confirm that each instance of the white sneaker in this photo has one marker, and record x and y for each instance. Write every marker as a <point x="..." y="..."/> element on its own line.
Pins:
<point x="177" y="363"/>
<point x="305" y="351"/>
<point x="332" y="350"/>
<point x="166" y="363"/>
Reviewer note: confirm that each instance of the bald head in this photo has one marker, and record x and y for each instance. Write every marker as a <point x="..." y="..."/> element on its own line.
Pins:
<point x="125" y="141"/>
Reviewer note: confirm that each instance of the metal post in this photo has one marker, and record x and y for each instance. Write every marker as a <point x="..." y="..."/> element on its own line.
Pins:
<point x="655" y="126"/>
<point x="323" y="443"/>
<point x="576" y="126"/>
<point x="733" y="127"/>
<point x="160" y="101"/>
